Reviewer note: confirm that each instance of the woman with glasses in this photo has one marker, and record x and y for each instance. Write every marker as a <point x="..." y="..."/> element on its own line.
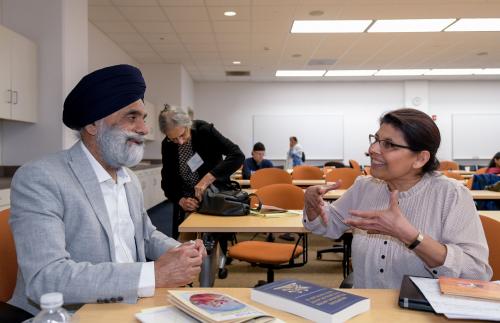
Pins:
<point x="193" y="158"/>
<point x="406" y="218"/>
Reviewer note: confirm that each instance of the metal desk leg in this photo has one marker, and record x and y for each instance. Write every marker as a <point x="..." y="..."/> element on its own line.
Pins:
<point x="209" y="265"/>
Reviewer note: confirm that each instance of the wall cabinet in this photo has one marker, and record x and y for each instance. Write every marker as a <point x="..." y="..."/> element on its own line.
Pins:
<point x="18" y="77"/>
<point x="151" y="186"/>
<point x="151" y="120"/>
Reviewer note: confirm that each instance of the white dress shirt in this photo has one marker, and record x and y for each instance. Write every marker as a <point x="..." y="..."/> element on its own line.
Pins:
<point x="122" y="227"/>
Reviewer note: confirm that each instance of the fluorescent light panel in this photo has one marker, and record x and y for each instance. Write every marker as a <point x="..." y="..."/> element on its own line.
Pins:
<point x="409" y="25"/>
<point x="488" y="71"/>
<point x="330" y="26"/>
<point x="350" y="72"/>
<point x="476" y="24"/>
<point x="402" y="72"/>
<point x="308" y="73"/>
<point x="453" y="71"/>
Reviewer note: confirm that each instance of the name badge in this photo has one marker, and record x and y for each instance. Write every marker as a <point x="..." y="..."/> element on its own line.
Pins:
<point x="195" y="162"/>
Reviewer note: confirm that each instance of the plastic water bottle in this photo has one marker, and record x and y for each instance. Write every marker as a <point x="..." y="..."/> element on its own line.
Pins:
<point x="52" y="310"/>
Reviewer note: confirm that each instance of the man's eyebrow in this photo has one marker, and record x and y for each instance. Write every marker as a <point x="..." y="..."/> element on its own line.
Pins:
<point x="136" y="113"/>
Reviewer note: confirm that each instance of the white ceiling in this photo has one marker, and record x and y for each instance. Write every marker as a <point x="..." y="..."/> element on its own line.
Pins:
<point x="196" y="34"/>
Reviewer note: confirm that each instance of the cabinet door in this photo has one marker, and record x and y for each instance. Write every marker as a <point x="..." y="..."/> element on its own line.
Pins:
<point x="24" y="79"/>
<point x="151" y="120"/>
<point x="5" y="90"/>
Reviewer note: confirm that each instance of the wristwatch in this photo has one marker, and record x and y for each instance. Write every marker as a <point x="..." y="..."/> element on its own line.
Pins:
<point x="417" y="241"/>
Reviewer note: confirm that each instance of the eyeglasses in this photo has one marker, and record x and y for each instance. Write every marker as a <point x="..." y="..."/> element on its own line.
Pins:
<point x="182" y="137"/>
<point x="385" y="144"/>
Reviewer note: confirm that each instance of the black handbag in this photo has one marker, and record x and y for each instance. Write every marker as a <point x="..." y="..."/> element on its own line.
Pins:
<point x="230" y="201"/>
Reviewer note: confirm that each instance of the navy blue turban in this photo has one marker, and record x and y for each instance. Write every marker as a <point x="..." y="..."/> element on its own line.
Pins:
<point x="101" y="93"/>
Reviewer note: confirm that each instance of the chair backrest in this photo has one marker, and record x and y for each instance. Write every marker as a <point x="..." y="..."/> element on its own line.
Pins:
<point x="354" y="164"/>
<point x="448" y="165"/>
<point x="286" y="196"/>
<point x="307" y="172"/>
<point x="8" y="261"/>
<point x="268" y="176"/>
<point x="491" y="229"/>
<point x="456" y="176"/>
<point x="347" y="175"/>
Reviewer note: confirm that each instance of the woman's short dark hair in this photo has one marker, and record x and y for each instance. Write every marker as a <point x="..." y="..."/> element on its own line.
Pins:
<point x="419" y="131"/>
<point x="492" y="161"/>
<point x="259" y="147"/>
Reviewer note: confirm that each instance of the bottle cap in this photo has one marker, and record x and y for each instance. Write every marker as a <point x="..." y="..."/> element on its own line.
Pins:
<point x="51" y="300"/>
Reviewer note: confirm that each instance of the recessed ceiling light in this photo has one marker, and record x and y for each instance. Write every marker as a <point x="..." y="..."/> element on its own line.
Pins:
<point x="350" y="72"/>
<point x="453" y="71"/>
<point x="476" y="24"/>
<point x="409" y="25"/>
<point x="402" y="72"/>
<point x="229" y="13"/>
<point x="236" y="62"/>
<point x="488" y="71"/>
<point x="286" y="73"/>
<point x="330" y="26"/>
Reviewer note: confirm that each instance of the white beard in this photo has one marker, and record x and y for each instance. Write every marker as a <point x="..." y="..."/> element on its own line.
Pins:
<point x="119" y="147"/>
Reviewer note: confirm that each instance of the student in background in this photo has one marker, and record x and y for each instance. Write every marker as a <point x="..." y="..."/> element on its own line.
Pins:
<point x="256" y="162"/>
<point x="406" y="218"/>
<point x="494" y="165"/>
<point x="295" y="155"/>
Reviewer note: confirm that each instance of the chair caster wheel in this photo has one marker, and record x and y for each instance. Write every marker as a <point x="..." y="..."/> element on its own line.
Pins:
<point x="222" y="273"/>
<point x="318" y="256"/>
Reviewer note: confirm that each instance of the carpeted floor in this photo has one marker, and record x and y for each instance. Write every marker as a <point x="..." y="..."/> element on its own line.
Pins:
<point x="325" y="272"/>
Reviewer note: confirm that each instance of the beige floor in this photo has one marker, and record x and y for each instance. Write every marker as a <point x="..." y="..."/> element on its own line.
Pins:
<point x="325" y="272"/>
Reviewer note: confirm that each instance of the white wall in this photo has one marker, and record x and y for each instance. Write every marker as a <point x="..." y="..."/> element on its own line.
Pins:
<point x="104" y="52"/>
<point x="187" y="89"/>
<point x="230" y="106"/>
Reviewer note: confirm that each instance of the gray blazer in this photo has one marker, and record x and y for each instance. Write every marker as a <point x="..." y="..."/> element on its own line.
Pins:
<point x="63" y="234"/>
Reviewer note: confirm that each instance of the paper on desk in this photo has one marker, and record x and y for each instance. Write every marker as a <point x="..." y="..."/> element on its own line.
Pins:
<point x="288" y="213"/>
<point x="456" y="306"/>
<point x="164" y="314"/>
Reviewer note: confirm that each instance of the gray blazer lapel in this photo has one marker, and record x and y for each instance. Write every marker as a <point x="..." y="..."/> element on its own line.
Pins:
<point x="133" y="198"/>
<point x="83" y="171"/>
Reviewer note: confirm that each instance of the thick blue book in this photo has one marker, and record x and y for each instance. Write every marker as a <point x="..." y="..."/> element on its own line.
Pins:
<point x="311" y="301"/>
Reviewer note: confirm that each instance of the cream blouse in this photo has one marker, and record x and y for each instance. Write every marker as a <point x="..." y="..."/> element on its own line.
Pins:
<point x="439" y="207"/>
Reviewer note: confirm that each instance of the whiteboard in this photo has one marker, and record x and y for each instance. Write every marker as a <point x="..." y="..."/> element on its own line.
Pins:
<point x="321" y="135"/>
<point x="475" y="136"/>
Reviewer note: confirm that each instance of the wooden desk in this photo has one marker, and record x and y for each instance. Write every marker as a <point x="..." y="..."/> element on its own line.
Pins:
<point x="495" y="215"/>
<point x="476" y="195"/>
<point x="485" y="195"/>
<point x="298" y="182"/>
<point x="384" y="308"/>
<point x="209" y="224"/>
<point x="333" y="195"/>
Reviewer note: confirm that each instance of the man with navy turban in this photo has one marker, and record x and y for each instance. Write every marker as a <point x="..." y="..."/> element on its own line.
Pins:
<point x="78" y="216"/>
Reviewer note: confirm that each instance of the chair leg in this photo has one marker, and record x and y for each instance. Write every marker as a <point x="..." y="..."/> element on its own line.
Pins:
<point x="270" y="275"/>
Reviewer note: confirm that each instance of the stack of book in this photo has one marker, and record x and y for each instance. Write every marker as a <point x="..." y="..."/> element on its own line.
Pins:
<point x="459" y="298"/>
<point x="313" y="302"/>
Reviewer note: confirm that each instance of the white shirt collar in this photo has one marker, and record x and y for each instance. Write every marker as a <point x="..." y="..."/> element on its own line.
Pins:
<point x="101" y="173"/>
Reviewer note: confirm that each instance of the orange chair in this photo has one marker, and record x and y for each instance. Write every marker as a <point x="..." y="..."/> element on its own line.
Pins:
<point x="270" y="255"/>
<point x="8" y="273"/>
<point x="268" y="176"/>
<point x="491" y="229"/>
<point x="307" y="172"/>
<point x="354" y="165"/>
<point x="448" y="165"/>
<point x="456" y="176"/>
<point x="347" y="175"/>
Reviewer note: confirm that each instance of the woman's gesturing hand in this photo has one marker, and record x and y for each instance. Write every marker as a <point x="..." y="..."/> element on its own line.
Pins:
<point x="313" y="200"/>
